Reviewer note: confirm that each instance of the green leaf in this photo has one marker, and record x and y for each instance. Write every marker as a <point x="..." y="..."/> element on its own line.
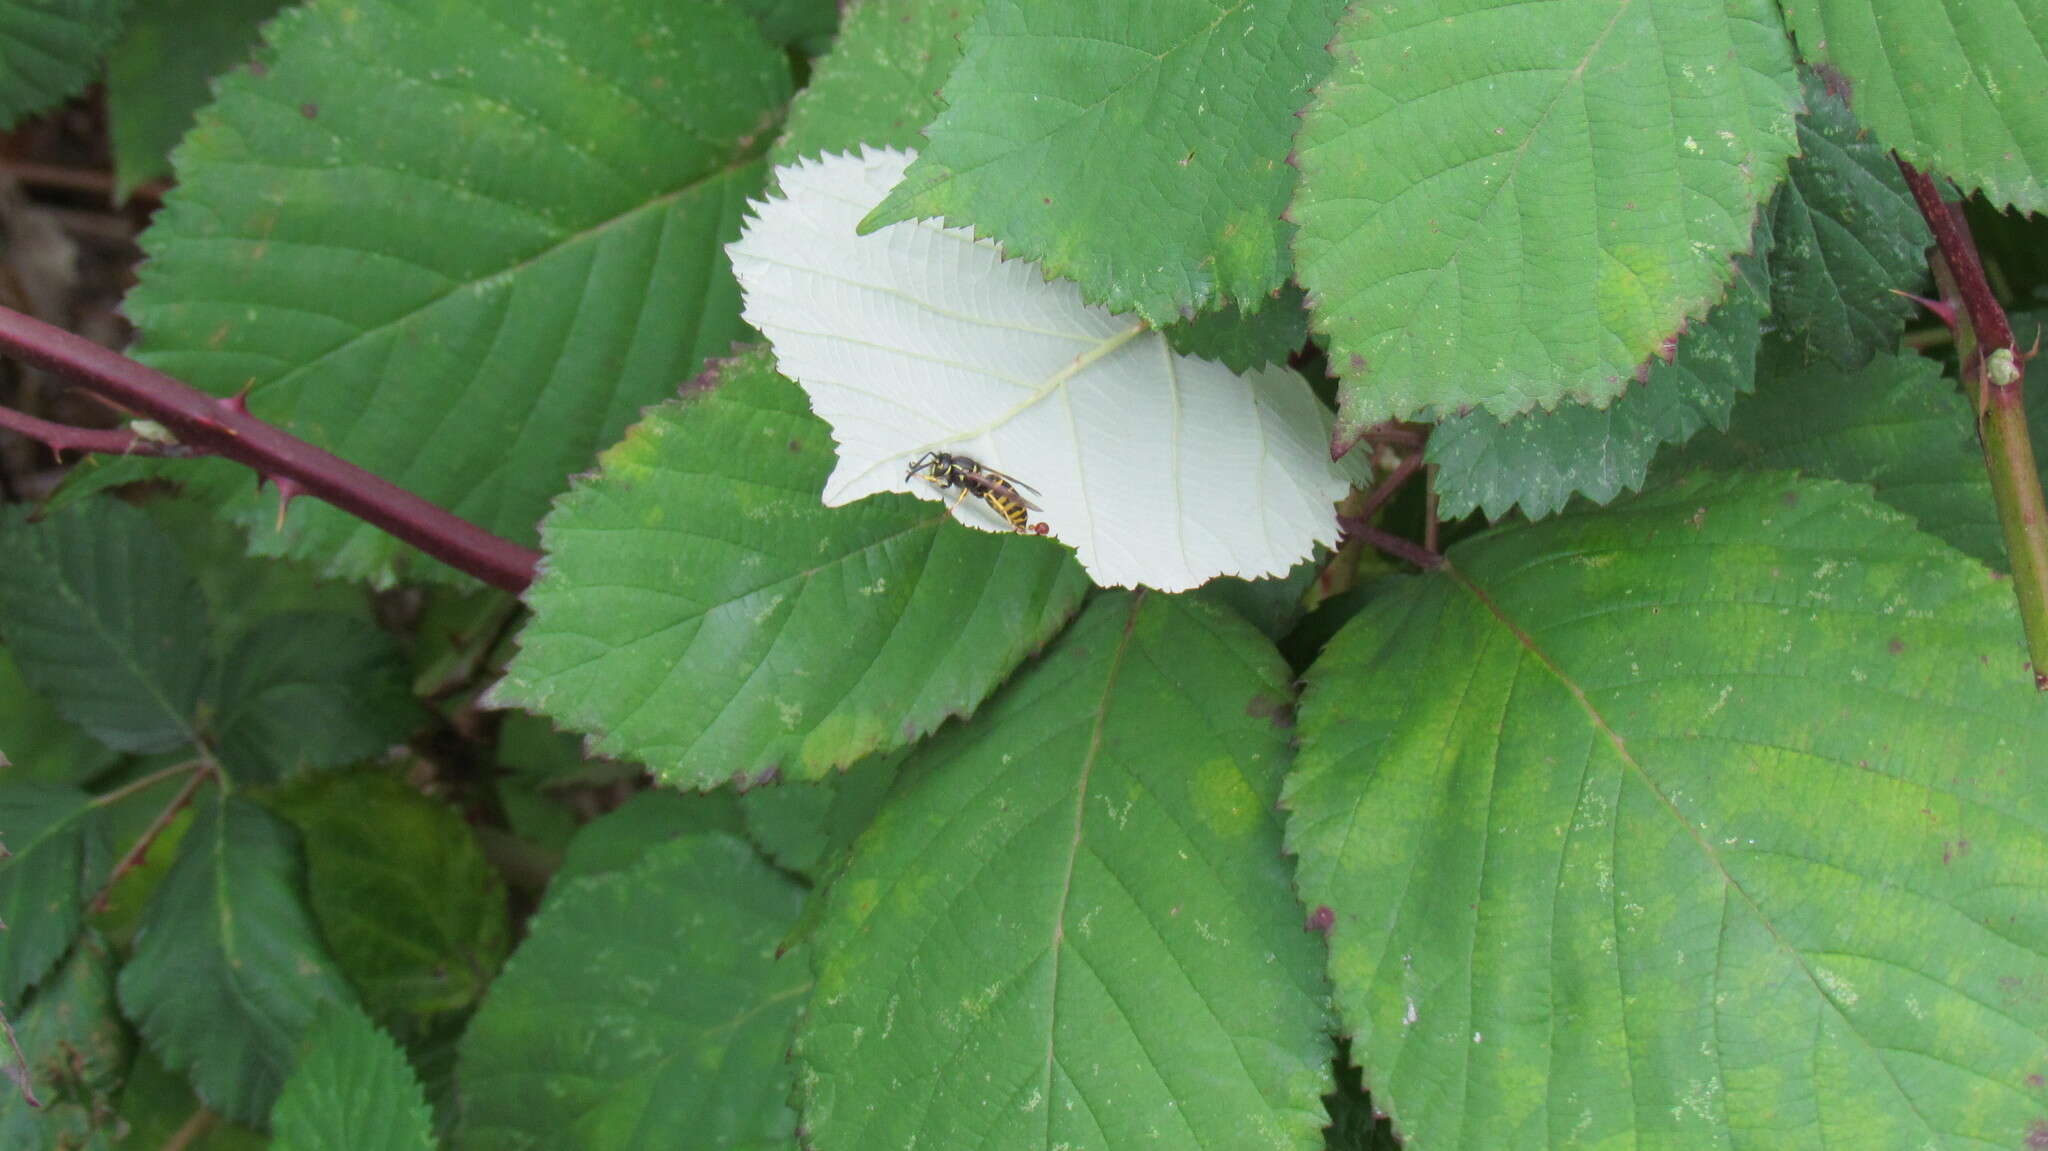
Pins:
<point x="880" y="83"/>
<point x="805" y="25"/>
<point x="1732" y="821"/>
<point x="1895" y="424"/>
<point x="1510" y="205"/>
<point x="50" y="50"/>
<point x="42" y="744"/>
<point x="311" y="689"/>
<point x="156" y="1104"/>
<point x="105" y="619"/>
<point x="1540" y="460"/>
<point x="619" y="839"/>
<point x="1242" y="341"/>
<point x="76" y="1048"/>
<point x="160" y="75"/>
<point x="1072" y="924"/>
<point x="569" y="175"/>
<point x="1958" y="88"/>
<point x="353" y="1091"/>
<point x="676" y="1017"/>
<point x="529" y="745"/>
<point x="411" y="910"/>
<point x="1848" y="236"/>
<point x="1053" y="143"/>
<point x="49" y="834"/>
<point x="807" y="827"/>
<point x="701" y="611"/>
<point x="228" y="969"/>
<point x="241" y="589"/>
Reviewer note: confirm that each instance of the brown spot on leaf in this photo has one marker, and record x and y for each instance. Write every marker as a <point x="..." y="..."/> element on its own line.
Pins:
<point x="1321" y="919"/>
<point x="2036" y="1080"/>
<point x="2037" y="1135"/>
<point x="310" y="110"/>
<point x="1277" y="711"/>
<point x="1896" y="646"/>
<point x="1791" y="499"/>
<point x="795" y="446"/>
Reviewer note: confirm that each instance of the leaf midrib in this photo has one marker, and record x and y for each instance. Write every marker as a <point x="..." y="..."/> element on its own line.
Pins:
<point x="1713" y="857"/>
<point x="1059" y="919"/>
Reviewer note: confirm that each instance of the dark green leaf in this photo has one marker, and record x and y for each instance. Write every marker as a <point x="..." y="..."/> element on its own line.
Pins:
<point x="410" y="909"/>
<point x="160" y="74"/>
<point x="805" y="25"/>
<point x="49" y="835"/>
<point x="645" y="1003"/>
<point x="105" y="620"/>
<point x="1273" y="605"/>
<point x="1072" y="924"/>
<point x="352" y="1092"/>
<point x="553" y="177"/>
<point x="1847" y="236"/>
<point x="620" y="839"/>
<point x="1511" y="205"/>
<point x="50" y="49"/>
<point x="41" y="744"/>
<point x="156" y="1104"/>
<point x="529" y="745"/>
<point x="228" y="969"/>
<point x="77" y="1050"/>
<point x="880" y="83"/>
<point x="1961" y="88"/>
<point x="1052" y="143"/>
<point x="1896" y="425"/>
<point x="1722" y="811"/>
<point x="703" y="612"/>
<point x="311" y="689"/>
<point x="807" y="827"/>
<point x="241" y="589"/>
<point x="1542" y="459"/>
<point x="1243" y="340"/>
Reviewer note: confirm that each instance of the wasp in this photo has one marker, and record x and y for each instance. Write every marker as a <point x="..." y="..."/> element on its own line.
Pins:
<point x="974" y="478"/>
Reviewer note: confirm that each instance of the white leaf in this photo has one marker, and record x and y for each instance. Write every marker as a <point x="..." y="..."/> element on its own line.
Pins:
<point x="1159" y="469"/>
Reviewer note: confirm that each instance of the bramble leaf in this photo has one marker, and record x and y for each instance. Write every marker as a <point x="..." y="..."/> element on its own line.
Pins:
<point x="409" y="907"/>
<point x="702" y="612"/>
<point x="1721" y="810"/>
<point x="228" y="970"/>
<point x="104" y="618"/>
<point x="310" y="690"/>
<point x="353" y="1091"/>
<point x="36" y="742"/>
<point x="1894" y="424"/>
<point x="49" y="833"/>
<point x="1958" y="88"/>
<point x="1159" y="469"/>
<point x="50" y="50"/>
<point x="880" y="84"/>
<point x="676" y="1018"/>
<point x="1511" y="205"/>
<point x="1137" y="150"/>
<point x="1847" y="238"/>
<point x="566" y="173"/>
<point x="807" y="827"/>
<point x="160" y="74"/>
<point x="1072" y="925"/>
<point x="1540" y="460"/>
<point x="77" y="1050"/>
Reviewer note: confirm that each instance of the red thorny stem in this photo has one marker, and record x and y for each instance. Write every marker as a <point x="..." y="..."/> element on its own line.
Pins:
<point x="201" y="424"/>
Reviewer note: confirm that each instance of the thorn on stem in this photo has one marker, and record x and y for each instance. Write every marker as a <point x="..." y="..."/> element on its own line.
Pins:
<point x="1946" y="313"/>
<point x="287" y="491"/>
<point x="238" y="403"/>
